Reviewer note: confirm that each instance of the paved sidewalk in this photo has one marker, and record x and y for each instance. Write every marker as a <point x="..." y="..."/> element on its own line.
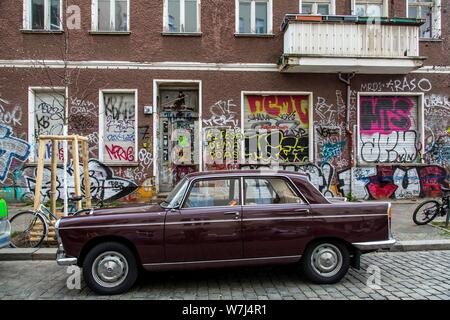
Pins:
<point x="404" y="228"/>
<point x="403" y="275"/>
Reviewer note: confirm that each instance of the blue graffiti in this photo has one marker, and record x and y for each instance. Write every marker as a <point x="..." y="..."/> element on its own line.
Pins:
<point x="10" y="148"/>
<point x="331" y="150"/>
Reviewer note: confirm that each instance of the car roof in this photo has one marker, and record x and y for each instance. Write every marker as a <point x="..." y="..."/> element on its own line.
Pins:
<point x="265" y="172"/>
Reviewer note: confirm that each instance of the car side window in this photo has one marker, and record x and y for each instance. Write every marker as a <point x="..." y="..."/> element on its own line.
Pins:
<point x="213" y="193"/>
<point x="262" y="191"/>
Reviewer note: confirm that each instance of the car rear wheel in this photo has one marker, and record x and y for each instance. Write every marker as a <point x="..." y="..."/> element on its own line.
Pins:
<point x="325" y="262"/>
<point x="110" y="268"/>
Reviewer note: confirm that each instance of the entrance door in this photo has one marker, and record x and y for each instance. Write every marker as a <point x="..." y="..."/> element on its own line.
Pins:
<point x="178" y="135"/>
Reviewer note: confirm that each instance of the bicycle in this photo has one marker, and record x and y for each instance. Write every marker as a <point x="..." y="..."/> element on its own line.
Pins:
<point x="430" y="209"/>
<point x="30" y="228"/>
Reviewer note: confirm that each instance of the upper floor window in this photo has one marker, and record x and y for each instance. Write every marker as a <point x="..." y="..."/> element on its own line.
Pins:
<point x="430" y="11"/>
<point x="42" y="15"/>
<point x="111" y="15"/>
<point x="254" y="16"/>
<point x="182" y="16"/>
<point x="323" y="7"/>
<point x="370" y="8"/>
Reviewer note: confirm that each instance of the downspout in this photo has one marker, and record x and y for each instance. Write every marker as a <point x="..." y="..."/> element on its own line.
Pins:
<point x="348" y="80"/>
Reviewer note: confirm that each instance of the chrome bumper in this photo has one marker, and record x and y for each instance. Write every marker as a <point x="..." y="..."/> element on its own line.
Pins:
<point x="61" y="258"/>
<point x="375" y="245"/>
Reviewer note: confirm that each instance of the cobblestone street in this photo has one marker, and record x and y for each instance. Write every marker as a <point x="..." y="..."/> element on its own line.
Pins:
<point x="404" y="275"/>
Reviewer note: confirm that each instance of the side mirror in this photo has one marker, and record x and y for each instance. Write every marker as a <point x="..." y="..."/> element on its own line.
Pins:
<point x="175" y="207"/>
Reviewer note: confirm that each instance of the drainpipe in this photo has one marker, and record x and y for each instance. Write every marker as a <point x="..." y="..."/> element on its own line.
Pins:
<point x="347" y="79"/>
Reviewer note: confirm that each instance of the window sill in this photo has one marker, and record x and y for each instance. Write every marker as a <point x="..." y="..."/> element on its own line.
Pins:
<point x="254" y="35"/>
<point x="116" y="164"/>
<point x="430" y="40"/>
<point x="109" y="33"/>
<point x="182" y="34"/>
<point x="41" y="31"/>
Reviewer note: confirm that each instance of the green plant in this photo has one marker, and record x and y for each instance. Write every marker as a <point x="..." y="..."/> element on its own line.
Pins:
<point x="351" y="198"/>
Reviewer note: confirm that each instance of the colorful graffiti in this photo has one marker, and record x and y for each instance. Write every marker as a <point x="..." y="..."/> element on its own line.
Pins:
<point x="119" y="133"/>
<point x="104" y="184"/>
<point x="276" y="129"/>
<point x="388" y="129"/>
<point x="385" y="114"/>
<point x="11" y="149"/>
<point x="392" y="182"/>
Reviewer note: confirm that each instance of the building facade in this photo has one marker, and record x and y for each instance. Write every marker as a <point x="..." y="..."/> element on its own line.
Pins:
<point x="354" y="93"/>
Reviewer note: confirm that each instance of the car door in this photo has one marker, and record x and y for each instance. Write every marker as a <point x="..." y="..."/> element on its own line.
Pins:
<point x="207" y="226"/>
<point x="276" y="220"/>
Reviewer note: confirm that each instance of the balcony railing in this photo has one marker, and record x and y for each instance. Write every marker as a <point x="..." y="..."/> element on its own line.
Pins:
<point x="350" y="44"/>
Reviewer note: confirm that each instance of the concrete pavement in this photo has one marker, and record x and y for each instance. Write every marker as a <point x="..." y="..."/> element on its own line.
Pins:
<point x="383" y="276"/>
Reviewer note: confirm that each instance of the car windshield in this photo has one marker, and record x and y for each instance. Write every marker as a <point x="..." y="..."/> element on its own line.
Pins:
<point x="175" y="197"/>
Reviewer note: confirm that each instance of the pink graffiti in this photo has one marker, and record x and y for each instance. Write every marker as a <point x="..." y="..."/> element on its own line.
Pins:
<point x="116" y="152"/>
<point x="385" y="114"/>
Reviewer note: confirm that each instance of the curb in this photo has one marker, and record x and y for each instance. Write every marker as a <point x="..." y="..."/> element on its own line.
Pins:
<point x="37" y="254"/>
<point x="49" y="254"/>
<point x="421" y="245"/>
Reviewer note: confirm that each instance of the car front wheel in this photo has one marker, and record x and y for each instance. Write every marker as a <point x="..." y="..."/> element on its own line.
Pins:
<point x="110" y="268"/>
<point x="325" y="262"/>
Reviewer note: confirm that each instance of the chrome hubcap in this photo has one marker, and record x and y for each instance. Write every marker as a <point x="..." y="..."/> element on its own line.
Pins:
<point x="326" y="259"/>
<point x="110" y="269"/>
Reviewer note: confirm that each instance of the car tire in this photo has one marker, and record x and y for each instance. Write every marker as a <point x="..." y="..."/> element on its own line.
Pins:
<point x="325" y="262"/>
<point x="110" y="268"/>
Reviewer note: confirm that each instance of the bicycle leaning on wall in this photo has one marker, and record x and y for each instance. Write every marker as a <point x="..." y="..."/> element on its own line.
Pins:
<point x="30" y="228"/>
<point x="430" y="209"/>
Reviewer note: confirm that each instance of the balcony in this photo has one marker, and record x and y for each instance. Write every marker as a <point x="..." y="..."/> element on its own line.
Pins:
<point x="347" y="44"/>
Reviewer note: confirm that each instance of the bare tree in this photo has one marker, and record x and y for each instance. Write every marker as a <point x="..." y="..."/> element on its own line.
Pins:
<point x="62" y="79"/>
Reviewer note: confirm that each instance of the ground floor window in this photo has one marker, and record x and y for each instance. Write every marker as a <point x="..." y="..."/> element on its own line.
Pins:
<point x="118" y="127"/>
<point x="390" y="128"/>
<point x="46" y="117"/>
<point x="276" y="128"/>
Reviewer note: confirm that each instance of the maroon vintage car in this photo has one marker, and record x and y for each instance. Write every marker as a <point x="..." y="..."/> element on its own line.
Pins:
<point x="225" y="218"/>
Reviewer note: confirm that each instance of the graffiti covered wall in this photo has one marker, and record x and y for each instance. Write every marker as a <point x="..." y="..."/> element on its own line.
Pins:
<point x="388" y="150"/>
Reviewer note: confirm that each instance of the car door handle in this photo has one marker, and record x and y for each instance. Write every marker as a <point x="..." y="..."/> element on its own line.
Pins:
<point x="301" y="210"/>
<point x="236" y="213"/>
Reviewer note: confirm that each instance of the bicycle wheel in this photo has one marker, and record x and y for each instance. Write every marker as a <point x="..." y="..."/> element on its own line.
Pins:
<point x="426" y="212"/>
<point x="28" y="230"/>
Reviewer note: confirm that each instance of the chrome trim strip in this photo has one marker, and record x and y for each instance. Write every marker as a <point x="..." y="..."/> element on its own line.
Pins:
<point x="293" y="217"/>
<point x="277" y="218"/>
<point x="219" y="261"/>
<point x="115" y="225"/>
<point x="350" y="216"/>
<point x="375" y="245"/>
<point x="203" y="221"/>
